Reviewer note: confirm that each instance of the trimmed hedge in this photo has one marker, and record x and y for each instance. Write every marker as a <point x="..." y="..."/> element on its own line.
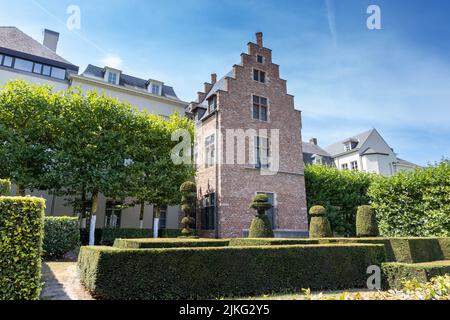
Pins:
<point x="201" y="273"/>
<point x="61" y="235"/>
<point x="21" y="233"/>
<point x="395" y="273"/>
<point x="169" y="243"/>
<point x="407" y="250"/>
<point x="248" y="242"/>
<point x="5" y="187"/>
<point x="366" y="222"/>
<point x="109" y="235"/>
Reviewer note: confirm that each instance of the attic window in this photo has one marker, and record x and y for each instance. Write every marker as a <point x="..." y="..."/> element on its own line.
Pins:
<point x="259" y="76"/>
<point x="155" y="88"/>
<point x="350" y="145"/>
<point x="112" y="78"/>
<point x="212" y="103"/>
<point x="259" y="59"/>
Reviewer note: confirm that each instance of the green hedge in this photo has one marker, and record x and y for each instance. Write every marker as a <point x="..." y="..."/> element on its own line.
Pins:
<point x="21" y="230"/>
<point x="407" y="250"/>
<point x="168" y="243"/>
<point x="245" y="242"/>
<point x="109" y="235"/>
<point x="340" y="192"/>
<point x="61" y="235"/>
<point x="414" y="203"/>
<point x="395" y="273"/>
<point x="5" y="187"/>
<point x="201" y="273"/>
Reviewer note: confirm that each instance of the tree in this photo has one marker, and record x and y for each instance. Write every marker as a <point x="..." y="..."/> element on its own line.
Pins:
<point x="189" y="192"/>
<point x="28" y="134"/>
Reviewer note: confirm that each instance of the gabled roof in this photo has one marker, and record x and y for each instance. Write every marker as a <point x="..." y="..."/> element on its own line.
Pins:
<point x="406" y="163"/>
<point x="370" y="151"/>
<point x="128" y="81"/>
<point x="338" y="148"/>
<point x="15" y="42"/>
<point x="311" y="148"/>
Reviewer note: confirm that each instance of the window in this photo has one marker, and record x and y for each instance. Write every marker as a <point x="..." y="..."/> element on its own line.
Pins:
<point x="163" y="217"/>
<point x="37" y="68"/>
<point x="1" y="59"/>
<point x="259" y="108"/>
<point x="58" y="73"/>
<point x="7" y="61"/>
<point x="208" y="212"/>
<point x="262" y="152"/>
<point x="212" y="103"/>
<point x="155" y="88"/>
<point x="46" y="70"/>
<point x="354" y="165"/>
<point x="344" y="166"/>
<point x="210" y="151"/>
<point x="112" y="77"/>
<point x="259" y="59"/>
<point x="317" y="159"/>
<point x="271" y="212"/>
<point x="113" y="213"/>
<point x="259" y="76"/>
<point x="23" y="65"/>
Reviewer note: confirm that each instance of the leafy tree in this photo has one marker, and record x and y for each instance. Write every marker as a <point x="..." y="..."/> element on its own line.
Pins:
<point x="27" y="133"/>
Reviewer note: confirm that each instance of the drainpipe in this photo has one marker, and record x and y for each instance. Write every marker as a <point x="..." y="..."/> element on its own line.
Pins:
<point x="216" y="204"/>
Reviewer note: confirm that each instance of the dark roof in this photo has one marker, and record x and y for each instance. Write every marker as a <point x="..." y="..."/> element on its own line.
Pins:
<point x="15" y="42"/>
<point x="311" y="148"/>
<point x="338" y="148"/>
<point x="127" y="80"/>
<point x="406" y="163"/>
<point x="369" y="151"/>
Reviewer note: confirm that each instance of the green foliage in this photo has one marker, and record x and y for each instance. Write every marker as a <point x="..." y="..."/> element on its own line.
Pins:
<point x="407" y="250"/>
<point x="61" y="235"/>
<point x="109" y="235"/>
<point x="414" y="203"/>
<point x="261" y="227"/>
<point x="366" y="222"/>
<point x="168" y="243"/>
<point x="261" y="204"/>
<point x="319" y="226"/>
<point x="340" y="192"/>
<point x="248" y="242"/>
<point x="396" y="273"/>
<point x="21" y="230"/>
<point x="5" y="187"/>
<point x="189" y="197"/>
<point x="111" y="273"/>
<point x="84" y="236"/>
<point x="188" y="187"/>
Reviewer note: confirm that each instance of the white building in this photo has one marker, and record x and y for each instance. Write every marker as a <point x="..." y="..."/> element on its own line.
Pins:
<point x="22" y="57"/>
<point x="367" y="152"/>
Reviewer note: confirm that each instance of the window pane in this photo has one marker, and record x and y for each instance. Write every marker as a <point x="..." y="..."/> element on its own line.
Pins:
<point x="1" y="59"/>
<point x="23" y="65"/>
<point x="264" y="113"/>
<point x="46" y="70"/>
<point x="264" y="101"/>
<point x="256" y="99"/>
<point x="7" y="62"/>
<point x="255" y="112"/>
<point x="262" y="77"/>
<point x="37" y="68"/>
<point x="58" y="73"/>
<point x="255" y="75"/>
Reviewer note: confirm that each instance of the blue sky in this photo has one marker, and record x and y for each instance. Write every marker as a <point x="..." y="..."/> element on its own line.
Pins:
<point x="346" y="79"/>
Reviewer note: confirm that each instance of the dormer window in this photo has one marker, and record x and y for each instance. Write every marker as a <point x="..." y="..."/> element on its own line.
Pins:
<point x="112" y="78"/>
<point x="212" y="103"/>
<point x="112" y="75"/>
<point x="350" y="145"/>
<point x="156" y="88"/>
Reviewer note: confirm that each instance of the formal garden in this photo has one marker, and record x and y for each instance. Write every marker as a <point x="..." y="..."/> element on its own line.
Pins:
<point x="400" y="224"/>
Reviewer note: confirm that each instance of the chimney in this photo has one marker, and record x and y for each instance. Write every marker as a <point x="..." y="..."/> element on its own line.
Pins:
<point x="51" y="39"/>
<point x="259" y="39"/>
<point x="213" y="78"/>
<point x="313" y="141"/>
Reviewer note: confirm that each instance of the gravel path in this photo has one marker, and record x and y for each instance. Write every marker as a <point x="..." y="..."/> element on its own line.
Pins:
<point x="62" y="282"/>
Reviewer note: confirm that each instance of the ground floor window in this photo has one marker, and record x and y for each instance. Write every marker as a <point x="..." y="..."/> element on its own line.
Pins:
<point x="113" y="214"/>
<point x="271" y="213"/>
<point x="163" y="218"/>
<point x="208" y="212"/>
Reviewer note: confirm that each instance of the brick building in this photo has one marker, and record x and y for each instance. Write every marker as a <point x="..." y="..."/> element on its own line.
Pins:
<point x="249" y="141"/>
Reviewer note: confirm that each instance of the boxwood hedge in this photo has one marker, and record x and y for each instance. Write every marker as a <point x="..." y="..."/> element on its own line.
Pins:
<point x="395" y="273"/>
<point x="201" y="273"/>
<point x="61" y="235"/>
<point x="168" y="243"/>
<point x="21" y="233"/>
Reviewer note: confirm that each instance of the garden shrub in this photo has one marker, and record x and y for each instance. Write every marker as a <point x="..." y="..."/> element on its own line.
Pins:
<point x="109" y="235"/>
<point x="366" y="222"/>
<point x="61" y="235"/>
<point x="414" y="203"/>
<point x="168" y="243"/>
<point x="202" y="273"/>
<point x="396" y="273"/>
<point x="248" y="242"/>
<point x="21" y="230"/>
<point x="319" y="226"/>
<point x="261" y="226"/>
<point x="5" y="187"/>
<point x="340" y="192"/>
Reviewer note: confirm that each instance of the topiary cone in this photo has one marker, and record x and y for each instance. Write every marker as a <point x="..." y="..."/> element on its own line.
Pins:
<point x="261" y="226"/>
<point x="366" y="222"/>
<point x="319" y="226"/>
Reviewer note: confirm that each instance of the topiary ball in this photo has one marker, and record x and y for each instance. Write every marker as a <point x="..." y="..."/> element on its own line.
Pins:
<point x="261" y="227"/>
<point x="317" y="211"/>
<point x="186" y="220"/>
<point x="188" y="186"/>
<point x="366" y="222"/>
<point x="261" y="204"/>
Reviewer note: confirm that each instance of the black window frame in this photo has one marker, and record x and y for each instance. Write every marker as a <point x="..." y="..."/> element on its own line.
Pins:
<point x="259" y="76"/>
<point x="257" y="149"/>
<point x="260" y="104"/>
<point x="208" y="212"/>
<point x="260" y="59"/>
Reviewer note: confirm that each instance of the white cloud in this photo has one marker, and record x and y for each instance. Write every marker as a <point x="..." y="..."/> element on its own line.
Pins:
<point x="112" y="60"/>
